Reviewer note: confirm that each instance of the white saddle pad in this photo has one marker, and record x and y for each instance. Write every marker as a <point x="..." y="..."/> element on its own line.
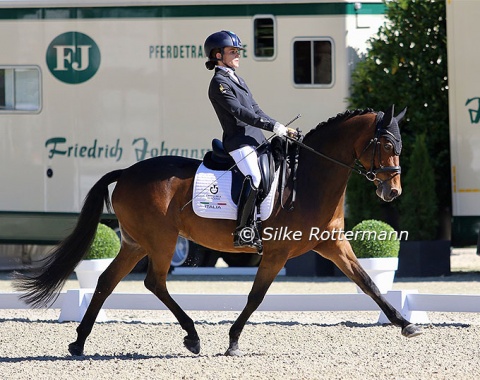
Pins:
<point x="212" y="197"/>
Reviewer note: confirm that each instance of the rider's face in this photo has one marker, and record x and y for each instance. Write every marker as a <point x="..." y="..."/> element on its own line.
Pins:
<point x="231" y="57"/>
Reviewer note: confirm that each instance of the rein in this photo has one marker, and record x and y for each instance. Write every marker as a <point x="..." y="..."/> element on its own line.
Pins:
<point x="370" y="174"/>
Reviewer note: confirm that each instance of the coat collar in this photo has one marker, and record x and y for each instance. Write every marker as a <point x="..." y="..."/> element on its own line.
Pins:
<point x="227" y="76"/>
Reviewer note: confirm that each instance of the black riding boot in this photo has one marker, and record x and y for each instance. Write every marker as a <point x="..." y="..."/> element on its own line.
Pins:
<point x="246" y="233"/>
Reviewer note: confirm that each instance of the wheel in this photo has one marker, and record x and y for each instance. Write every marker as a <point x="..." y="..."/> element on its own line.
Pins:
<point x="187" y="254"/>
<point x="242" y="259"/>
<point x="182" y="249"/>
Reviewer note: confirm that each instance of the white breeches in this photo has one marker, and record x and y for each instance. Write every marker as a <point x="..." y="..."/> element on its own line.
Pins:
<point x="247" y="162"/>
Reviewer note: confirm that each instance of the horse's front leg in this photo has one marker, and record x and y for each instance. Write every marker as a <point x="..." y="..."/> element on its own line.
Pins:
<point x="341" y="253"/>
<point x="267" y="271"/>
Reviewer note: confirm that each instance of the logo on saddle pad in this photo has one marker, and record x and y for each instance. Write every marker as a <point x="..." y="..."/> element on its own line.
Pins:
<point x="212" y="195"/>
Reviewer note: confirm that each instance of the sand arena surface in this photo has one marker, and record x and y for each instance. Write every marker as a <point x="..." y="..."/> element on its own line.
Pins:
<point x="287" y="345"/>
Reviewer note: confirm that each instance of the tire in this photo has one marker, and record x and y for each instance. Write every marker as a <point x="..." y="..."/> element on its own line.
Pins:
<point x="182" y="250"/>
<point x="187" y="254"/>
<point x="242" y="259"/>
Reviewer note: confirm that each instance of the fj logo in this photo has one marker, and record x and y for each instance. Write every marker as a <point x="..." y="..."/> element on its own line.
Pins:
<point x="64" y="55"/>
<point x="73" y="57"/>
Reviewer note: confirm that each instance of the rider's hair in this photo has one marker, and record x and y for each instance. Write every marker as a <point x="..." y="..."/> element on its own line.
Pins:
<point x="212" y="58"/>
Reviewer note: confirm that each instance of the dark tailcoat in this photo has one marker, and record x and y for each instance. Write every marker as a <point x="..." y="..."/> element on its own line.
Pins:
<point x="239" y="114"/>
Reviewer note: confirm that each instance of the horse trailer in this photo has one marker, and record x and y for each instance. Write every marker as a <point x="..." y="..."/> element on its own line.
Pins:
<point x="87" y="87"/>
<point x="464" y="113"/>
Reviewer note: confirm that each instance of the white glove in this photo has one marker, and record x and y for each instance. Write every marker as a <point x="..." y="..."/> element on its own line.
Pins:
<point x="280" y="130"/>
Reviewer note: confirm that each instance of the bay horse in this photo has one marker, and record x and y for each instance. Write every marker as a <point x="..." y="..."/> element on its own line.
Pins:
<point x="149" y="201"/>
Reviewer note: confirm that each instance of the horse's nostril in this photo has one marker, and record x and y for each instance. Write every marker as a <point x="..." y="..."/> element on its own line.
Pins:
<point x="394" y="193"/>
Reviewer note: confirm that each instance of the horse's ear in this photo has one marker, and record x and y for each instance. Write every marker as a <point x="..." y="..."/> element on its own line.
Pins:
<point x="388" y="117"/>
<point x="401" y="115"/>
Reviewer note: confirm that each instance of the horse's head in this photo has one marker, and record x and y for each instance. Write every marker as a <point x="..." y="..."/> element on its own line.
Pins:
<point x="381" y="156"/>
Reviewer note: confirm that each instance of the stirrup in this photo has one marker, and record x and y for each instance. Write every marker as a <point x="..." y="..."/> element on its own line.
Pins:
<point x="248" y="236"/>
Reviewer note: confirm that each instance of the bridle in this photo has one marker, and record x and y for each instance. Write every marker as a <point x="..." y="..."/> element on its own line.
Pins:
<point x="371" y="173"/>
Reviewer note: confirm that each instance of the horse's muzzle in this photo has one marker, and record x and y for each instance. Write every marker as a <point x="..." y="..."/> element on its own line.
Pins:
<point x="386" y="192"/>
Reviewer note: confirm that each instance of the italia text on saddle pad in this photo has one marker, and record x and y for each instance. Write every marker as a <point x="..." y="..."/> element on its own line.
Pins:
<point x="212" y="195"/>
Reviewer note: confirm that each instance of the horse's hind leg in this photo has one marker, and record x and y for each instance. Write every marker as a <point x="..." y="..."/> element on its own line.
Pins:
<point x="122" y="265"/>
<point x="344" y="258"/>
<point x="156" y="282"/>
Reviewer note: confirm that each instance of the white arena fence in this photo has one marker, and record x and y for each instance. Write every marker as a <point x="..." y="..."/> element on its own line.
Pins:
<point x="412" y="305"/>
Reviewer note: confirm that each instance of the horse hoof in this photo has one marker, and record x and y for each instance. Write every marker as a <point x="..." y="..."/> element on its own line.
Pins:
<point x="192" y="345"/>
<point x="233" y="352"/>
<point x="411" y="330"/>
<point x="75" y="349"/>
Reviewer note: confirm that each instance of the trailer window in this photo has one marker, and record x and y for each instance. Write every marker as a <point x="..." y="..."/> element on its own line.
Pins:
<point x="264" y="37"/>
<point x="20" y="89"/>
<point x="312" y="62"/>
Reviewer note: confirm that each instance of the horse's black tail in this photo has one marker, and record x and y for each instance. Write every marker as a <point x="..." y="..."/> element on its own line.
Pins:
<point x="42" y="287"/>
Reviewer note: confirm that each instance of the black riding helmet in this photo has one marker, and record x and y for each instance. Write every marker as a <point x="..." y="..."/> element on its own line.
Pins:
<point x="219" y="40"/>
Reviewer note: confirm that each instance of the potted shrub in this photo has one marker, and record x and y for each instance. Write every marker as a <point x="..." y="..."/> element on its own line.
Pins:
<point x="422" y="254"/>
<point x="376" y="246"/>
<point x="104" y="248"/>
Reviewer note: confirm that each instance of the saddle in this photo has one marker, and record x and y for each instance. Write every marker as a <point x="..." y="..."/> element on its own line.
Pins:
<point x="218" y="182"/>
<point x="219" y="159"/>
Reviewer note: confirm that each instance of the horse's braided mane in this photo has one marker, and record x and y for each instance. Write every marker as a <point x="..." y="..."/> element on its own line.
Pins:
<point x="341" y="116"/>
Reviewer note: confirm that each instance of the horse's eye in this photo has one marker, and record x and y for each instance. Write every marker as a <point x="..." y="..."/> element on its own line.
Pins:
<point x="388" y="147"/>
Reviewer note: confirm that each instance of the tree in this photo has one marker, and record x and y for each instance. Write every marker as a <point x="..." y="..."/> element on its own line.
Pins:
<point x="406" y="65"/>
<point x="419" y="188"/>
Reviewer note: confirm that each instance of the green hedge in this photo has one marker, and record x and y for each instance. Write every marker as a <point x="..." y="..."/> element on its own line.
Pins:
<point x="106" y="244"/>
<point x="378" y="239"/>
